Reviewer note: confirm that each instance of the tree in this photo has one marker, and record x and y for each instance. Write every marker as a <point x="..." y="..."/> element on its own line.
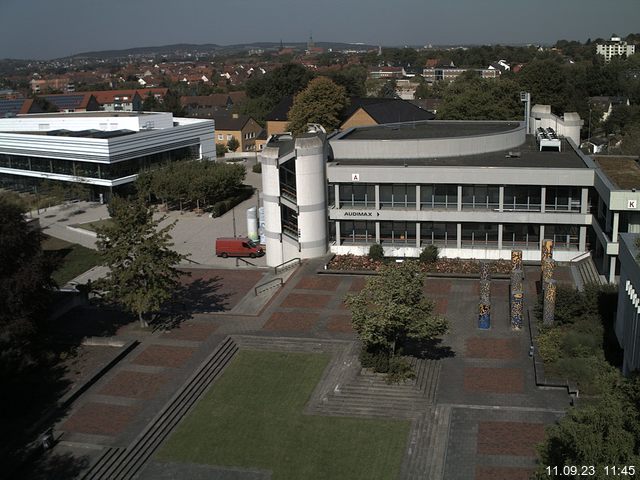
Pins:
<point x="142" y="267"/>
<point x="150" y="103"/>
<point x="221" y="150"/>
<point x="388" y="89"/>
<point x="600" y="435"/>
<point x="392" y="308"/>
<point x="470" y="97"/>
<point x="321" y="102"/>
<point x="233" y="144"/>
<point x="25" y="283"/>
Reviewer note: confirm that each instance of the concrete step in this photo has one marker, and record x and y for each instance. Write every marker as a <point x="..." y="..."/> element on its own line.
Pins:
<point x="129" y="461"/>
<point x="438" y="440"/>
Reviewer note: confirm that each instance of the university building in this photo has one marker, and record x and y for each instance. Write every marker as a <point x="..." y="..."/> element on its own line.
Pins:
<point x="104" y="150"/>
<point x="475" y="189"/>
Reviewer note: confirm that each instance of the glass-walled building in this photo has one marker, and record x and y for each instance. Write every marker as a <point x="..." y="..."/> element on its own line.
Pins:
<point x="104" y="150"/>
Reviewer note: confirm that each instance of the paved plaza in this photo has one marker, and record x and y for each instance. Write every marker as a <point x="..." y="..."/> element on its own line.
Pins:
<point x="475" y="409"/>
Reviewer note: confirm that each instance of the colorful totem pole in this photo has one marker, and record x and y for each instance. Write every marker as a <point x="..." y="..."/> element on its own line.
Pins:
<point x="549" y="306"/>
<point x="484" y="307"/>
<point x="548" y="268"/>
<point x="516" y="290"/>
<point x="516" y="260"/>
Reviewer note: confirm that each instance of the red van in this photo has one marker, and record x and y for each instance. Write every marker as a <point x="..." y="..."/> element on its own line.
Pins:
<point x="238" y="247"/>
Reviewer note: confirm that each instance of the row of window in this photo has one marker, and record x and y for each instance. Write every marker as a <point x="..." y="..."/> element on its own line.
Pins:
<point x="446" y="234"/>
<point x="105" y="171"/>
<point x="484" y="197"/>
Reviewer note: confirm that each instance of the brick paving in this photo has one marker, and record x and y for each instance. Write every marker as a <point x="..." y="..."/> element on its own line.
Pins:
<point x="493" y="380"/>
<point x="291" y="321"/>
<point x="164" y="356"/>
<point x="340" y="323"/>
<point x="301" y="300"/>
<point x="133" y="384"/>
<point x="319" y="283"/>
<point x="191" y="331"/>
<point x="486" y="382"/>
<point x="437" y="286"/>
<point x="509" y="438"/>
<point x="100" y="419"/>
<point x="498" y="348"/>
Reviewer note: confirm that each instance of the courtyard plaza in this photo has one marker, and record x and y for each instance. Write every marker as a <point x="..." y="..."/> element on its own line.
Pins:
<point x="473" y="411"/>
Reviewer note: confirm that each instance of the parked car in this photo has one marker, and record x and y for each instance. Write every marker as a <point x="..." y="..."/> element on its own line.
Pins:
<point x="238" y="247"/>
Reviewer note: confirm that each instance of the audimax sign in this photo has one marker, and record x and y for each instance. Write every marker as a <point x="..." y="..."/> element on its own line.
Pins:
<point x="360" y="213"/>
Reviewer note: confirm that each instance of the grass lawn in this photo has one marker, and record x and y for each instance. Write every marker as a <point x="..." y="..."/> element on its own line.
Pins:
<point x="252" y="417"/>
<point x="74" y="259"/>
<point x="93" y="225"/>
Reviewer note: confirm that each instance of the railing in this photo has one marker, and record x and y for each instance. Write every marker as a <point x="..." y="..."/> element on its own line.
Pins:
<point x="276" y="282"/>
<point x="286" y="265"/>
<point x="238" y="259"/>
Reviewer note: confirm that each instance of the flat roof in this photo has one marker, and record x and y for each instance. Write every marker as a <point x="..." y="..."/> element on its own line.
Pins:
<point x="623" y="171"/>
<point x="88" y="114"/>
<point x="103" y="134"/>
<point x="429" y="129"/>
<point x="530" y="156"/>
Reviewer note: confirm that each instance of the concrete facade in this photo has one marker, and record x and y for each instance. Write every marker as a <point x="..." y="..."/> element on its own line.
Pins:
<point x="101" y="149"/>
<point x="627" y="324"/>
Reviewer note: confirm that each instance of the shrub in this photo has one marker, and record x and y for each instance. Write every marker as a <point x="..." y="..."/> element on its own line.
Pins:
<point x="549" y="341"/>
<point x="429" y="254"/>
<point x="220" y="208"/>
<point x="376" y="252"/>
<point x="399" y="370"/>
<point x="257" y="168"/>
<point x="377" y="360"/>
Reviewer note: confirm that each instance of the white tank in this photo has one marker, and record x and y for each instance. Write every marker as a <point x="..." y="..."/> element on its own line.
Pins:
<point x="252" y="223"/>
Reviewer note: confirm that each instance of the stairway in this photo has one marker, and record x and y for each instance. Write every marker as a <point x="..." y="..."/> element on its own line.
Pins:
<point x="125" y="463"/>
<point x="428" y="445"/>
<point x="588" y="272"/>
<point x="369" y="395"/>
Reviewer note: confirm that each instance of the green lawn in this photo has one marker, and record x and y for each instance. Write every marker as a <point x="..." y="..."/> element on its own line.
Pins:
<point x="93" y="225"/>
<point x="252" y="417"/>
<point x="74" y="259"/>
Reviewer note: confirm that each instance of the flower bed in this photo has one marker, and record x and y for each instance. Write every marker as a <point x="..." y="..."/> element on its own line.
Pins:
<point x="442" y="265"/>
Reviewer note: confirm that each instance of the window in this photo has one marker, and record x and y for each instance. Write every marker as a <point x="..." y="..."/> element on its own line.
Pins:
<point x="522" y="198"/>
<point x="397" y="196"/>
<point x="357" y="195"/>
<point x="520" y="235"/>
<point x="563" y="199"/>
<point x="565" y="237"/>
<point x="357" y="232"/>
<point x="479" y="234"/>
<point x="438" y="233"/>
<point x="480" y="197"/>
<point x="289" y="222"/>
<point x="220" y="136"/>
<point x="438" y="196"/>
<point x="229" y="137"/>
<point x="398" y="233"/>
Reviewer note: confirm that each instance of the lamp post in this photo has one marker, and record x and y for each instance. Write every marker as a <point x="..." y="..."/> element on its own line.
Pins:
<point x="589" y="133"/>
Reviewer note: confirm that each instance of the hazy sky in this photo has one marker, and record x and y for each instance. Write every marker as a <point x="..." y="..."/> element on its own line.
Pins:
<point x="53" y="28"/>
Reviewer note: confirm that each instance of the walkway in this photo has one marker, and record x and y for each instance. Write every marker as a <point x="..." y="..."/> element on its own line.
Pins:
<point x="474" y="408"/>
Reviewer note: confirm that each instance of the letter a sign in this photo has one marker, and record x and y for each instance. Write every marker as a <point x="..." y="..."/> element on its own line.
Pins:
<point x="355" y="177"/>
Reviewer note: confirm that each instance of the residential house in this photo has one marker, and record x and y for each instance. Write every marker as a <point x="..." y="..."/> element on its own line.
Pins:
<point x="241" y="127"/>
<point x="119" y="100"/>
<point x="205" y="106"/>
<point x="607" y="104"/>
<point x="277" y="119"/>
<point x="73" y="102"/>
<point x="364" y="112"/>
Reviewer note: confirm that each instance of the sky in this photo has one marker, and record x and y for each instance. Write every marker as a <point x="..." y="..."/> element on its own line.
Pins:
<point x="45" y="29"/>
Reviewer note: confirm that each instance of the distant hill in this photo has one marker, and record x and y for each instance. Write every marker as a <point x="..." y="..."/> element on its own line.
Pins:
<point x="187" y="48"/>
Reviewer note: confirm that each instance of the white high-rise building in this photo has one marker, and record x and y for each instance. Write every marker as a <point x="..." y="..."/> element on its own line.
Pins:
<point x="615" y="47"/>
